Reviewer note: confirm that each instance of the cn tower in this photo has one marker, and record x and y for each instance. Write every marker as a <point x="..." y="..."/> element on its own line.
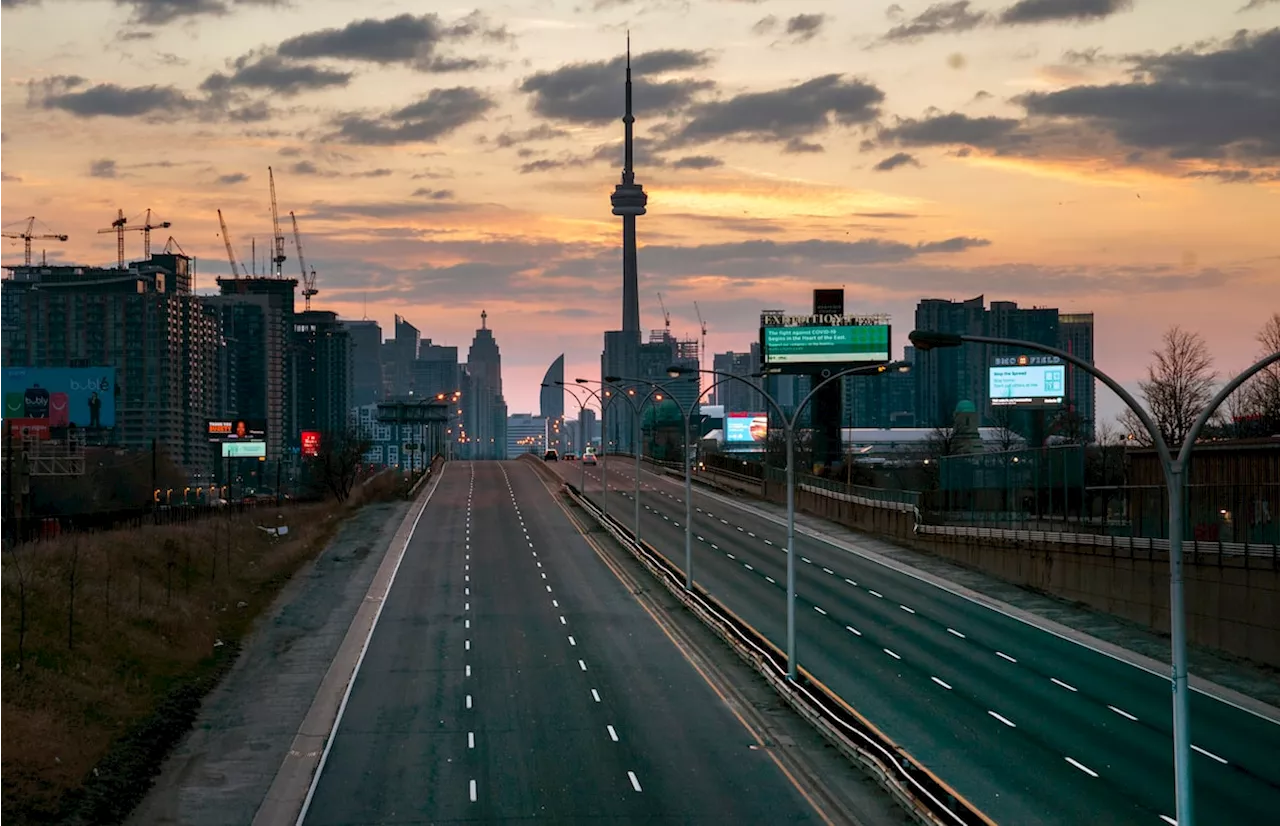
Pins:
<point x="629" y="200"/>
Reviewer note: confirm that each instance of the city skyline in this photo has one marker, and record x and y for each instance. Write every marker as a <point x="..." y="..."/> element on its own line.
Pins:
<point x="1021" y="186"/>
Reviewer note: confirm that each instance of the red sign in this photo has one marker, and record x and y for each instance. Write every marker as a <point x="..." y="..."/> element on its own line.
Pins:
<point x="311" y="443"/>
<point x="29" y="428"/>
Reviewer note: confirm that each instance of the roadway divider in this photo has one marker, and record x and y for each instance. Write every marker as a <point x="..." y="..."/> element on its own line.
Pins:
<point x="921" y="793"/>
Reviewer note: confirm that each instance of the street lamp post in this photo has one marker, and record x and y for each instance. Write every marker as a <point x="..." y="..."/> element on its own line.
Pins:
<point x="789" y="427"/>
<point x="581" y="408"/>
<point x="638" y="410"/>
<point x="1175" y="469"/>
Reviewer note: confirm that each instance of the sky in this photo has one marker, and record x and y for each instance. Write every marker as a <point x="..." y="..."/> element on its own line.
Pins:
<point x="1092" y="155"/>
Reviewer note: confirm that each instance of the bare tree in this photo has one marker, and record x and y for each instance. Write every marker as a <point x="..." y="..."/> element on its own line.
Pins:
<point x="1266" y="384"/>
<point x="941" y="442"/>
<point x="1178" y="386"/>
<point x="337" y="464"/>
<point x="1002" y="420"/>
<point x="1071" y="427"/>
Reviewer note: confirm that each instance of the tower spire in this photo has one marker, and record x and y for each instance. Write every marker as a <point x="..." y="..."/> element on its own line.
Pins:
<point x="629" y="201"/>
<point x="628" y="168"/>
<point x="484" y="317"/>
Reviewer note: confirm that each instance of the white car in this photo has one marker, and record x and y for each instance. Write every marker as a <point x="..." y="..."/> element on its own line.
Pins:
<point x="589" y="459"/>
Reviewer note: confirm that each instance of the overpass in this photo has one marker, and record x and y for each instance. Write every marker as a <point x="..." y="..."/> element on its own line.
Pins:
<point x="1028" y="725"/>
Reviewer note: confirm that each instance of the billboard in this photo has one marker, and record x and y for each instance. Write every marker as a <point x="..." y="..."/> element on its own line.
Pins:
<point x="244" y="450"/>
<point x="1030" y="385"/>
<point x="311" y="443"/>
<point x="237" y="430"/>
<point x="811" y="344"/>
<point x="61" y="396"/>
<point x="745" y="428"/>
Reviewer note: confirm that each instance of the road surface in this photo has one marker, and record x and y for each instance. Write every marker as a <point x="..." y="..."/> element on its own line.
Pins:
<point x="1029" y="727"/>
<point x="511" y="677"/>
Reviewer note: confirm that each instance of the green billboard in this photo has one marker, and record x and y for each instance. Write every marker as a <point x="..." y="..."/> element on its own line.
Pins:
<point x="862" y="344"/>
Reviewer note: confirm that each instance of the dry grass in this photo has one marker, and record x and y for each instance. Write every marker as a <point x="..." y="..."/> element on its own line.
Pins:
<point x="124" y="633"/>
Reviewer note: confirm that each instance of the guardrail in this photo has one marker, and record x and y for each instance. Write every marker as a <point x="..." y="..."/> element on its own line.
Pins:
<point x="923" y="794"/>
<point x="1133" y="543"/>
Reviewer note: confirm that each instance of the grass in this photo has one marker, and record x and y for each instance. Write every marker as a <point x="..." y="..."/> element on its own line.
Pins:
<point x="124" y="633"/>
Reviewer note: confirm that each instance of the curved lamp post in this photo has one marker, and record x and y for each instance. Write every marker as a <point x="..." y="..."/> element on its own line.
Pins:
<point x="581" y="407"/>
<point x="789" y="427"/>
<point x="1175" y="469"/>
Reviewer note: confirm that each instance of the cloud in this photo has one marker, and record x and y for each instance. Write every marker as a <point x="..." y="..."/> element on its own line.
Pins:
<point x="434" y="194"/>
<point x="404" y="39"/>
<point x="1236" y="176"/>
<point x="937" y="19"/>
<point x="440" y="113"/>
<point x="894" y="161"/>
<point x="885" y="215"/>
<point x="590" y="92"/>
<point x="1254" y="5"/>
<point x="781" y="115"/>
<point x="804" y="27"/>
<point x="952" y="128"/>
<point x="1050" y="11"/>
<point x="232" y="178"/>
<point x="161" y="12"/>
<point x="272" y="74"/>
<point x="541" y="132"/>
<point x="696" y="162"/>
<point x="110" y="100"/>
<point x="102" y="168"/>
<point x="796" y="146"/>
<point x="765" y="25"/>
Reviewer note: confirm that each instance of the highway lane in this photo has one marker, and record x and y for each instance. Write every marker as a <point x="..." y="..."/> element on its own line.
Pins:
<point x="1079" y="736"/>
<point x="511" y="676"/>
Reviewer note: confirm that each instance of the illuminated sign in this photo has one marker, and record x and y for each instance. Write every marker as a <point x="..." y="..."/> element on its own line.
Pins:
<point x="311" y="443"/>
<point x="228" y="430"/>
<point x="1033" y="385"/>
<point x="61" y="396"/>
<point x="244" y="450"/>
<point x="746" y="428"/>
<point x="844" y="344"/>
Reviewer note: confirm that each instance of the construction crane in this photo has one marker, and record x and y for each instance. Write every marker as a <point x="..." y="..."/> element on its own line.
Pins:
<point x="666" y="316"/>
<point x="308" y="276"/>
<point x="28" y="235"/>
<point x="703" y="349"/>
<point x="278" y="258"/>
<point x="146" y="228"/>
<point x="117" y="226"/>
<point x="231" y="252"/>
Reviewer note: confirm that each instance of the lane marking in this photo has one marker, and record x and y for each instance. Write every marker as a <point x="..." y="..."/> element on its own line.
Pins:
<point x="1123" y="713"/>
<point x="468" y="701"/>
<point x="905" y="608"/>
<point x="700" y="539"/>
<point x="466" y="606"/>
<point x="819" y="610"/>
<point x="555" y="604"/>
<point x="750" y="534"/>
<point x="471" y="739"/>
<point x="548" y="589"/>
<point x="582" y="665"/>
<point x="1006" y="656"/>
<point x="771" y="579"/>
<point x="876" y="594"/>
<point x="468" y="670"/>
<point x="1058" y="682"/>
<point x="473" y="791"/>
<point x="941" y="683"/>
<point x="612" y="734"/>
<point x="828" y="571"/>
<point x="768" y="542"/>
<point x="1004" y="720"/>
<point x="806" y="559"/>
<point x="466" y="623"/>
<point x="1169" y="820"/>
<point x="635" y="784"/>
<point x="562" y="621"/>
<point x="731" y="556"/>
<point x="595" y="695"/>
<point x="748" y="567"/>
<point x="468" y="645"/>
<point x="892" y="654"/>
<point x="572" y="641"/>
<point x="853" y="630"/>
<point x="851" y="582"/>
<point x="957" y="633"/>
<point x="1208" y="754"/>
<point x="1081" y="766"/>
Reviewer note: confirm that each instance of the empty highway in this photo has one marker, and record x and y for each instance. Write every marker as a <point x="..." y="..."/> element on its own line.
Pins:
<point x="511" y="677"/>
<point x="1029" y="727"/>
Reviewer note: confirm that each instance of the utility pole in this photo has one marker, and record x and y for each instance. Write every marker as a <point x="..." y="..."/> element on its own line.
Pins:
<point x="153" y="473"/>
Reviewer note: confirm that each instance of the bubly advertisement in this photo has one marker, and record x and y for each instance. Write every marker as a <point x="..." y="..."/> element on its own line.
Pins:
<point x="61" y="396"/>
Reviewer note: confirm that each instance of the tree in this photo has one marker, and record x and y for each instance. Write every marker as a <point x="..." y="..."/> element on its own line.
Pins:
<point x="1002" y="420"/>
<point x="941" y="442"/>
<point x="336" y="465"/>
<point x="1070" y="427"/>
<point x="1254" y="408"/>
<point x="1179" y="384"/>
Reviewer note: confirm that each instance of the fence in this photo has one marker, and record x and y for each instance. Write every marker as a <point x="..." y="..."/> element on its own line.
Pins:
<point x="38" y="528"/>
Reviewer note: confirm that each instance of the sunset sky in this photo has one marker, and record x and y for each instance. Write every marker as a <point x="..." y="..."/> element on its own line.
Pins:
<point x="1093" y="155"/>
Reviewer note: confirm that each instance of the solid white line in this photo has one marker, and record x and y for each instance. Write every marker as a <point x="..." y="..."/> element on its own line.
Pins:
<point x="892" y="654"/>
<point x="1004" y="720"/>
<point x="1081" y="766"/>
<point x="905" y="608"/>
<point x="613" y="734"/>
<point x="1122" y="713"/>
<point x="853" y="630"/>
<point x="471" y="739"/>
<point x="468" y="701"/>
<point x="876" y="594"/>
<point x="1056" y="681"/>
<point x="819" y="610"/>
<point x="1169" y="820"/>
<point x="364" y="647"/>
<point x="572" y="641"/>
<point x="941" y="683"/>
<point x="957" y="633"/>
<point x="635" y="784"/>
<point x="582" y="665"/>
<point x="473" y="791"/>
<point x="1005" y="656"/>
<point x="595" y="695"/>
<point x="1208" y="754"/>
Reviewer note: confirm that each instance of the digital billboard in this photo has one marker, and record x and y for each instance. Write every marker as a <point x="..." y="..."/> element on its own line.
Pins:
<point x="61" y="396"/>
<point x="745" y="428"/>
<point x="244" y="450"/>
<point x="237" y="430"/>
<point x="310" y="443"/>
<point x="842" y="344"/>
<point x="1031" y="385"/>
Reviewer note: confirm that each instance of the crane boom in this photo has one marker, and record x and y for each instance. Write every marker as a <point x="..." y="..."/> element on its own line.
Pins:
<point x="666" y="316"/>
<point x="231" y="253"/>
<point x="278" y="257"/>
<point x="702" y="351"/>
<point x="308" y="276"/>
<point x="28" y="234"/>
<point x="117" y="226"/>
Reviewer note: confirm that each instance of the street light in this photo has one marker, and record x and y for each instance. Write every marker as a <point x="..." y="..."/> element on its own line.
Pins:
<point x="789" y="425"/>
<point x="1175" y="469"/>
<point x="638" y="410"/>
<point x="581" y="407"/>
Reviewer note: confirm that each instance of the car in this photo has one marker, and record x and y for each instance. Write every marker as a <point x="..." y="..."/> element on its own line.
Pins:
<point x="551" y="456"/>
<point x="589" y="459"/>
<point x="571" y="457"/>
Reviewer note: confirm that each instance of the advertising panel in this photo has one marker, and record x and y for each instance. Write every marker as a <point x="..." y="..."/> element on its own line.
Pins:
<point x="844" y="344"/>
<point x="745" y="428"/>
<point x="1031" y="385"/>
<point x="29" y="428"/>
<point x="237" y="430"/>
<point x="244" y="450"/>
<point x="311" y="443"/>
<point x="61" y="396"/>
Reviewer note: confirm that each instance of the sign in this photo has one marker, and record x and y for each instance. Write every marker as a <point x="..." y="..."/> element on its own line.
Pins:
<point x="843" y="344"/>
<point x="1035" y="385"/>
<point x="1024" y="360"/>
<point x="311" y="443"/>
<point x="771" y="318"/>
<point x="244" y="450"/>
<point x="233" y="430"/>
<point x="746" y="428"/>
<point x="828" y="302"/>
<point x="61" y="396"/>
<point x="29" y="428"/>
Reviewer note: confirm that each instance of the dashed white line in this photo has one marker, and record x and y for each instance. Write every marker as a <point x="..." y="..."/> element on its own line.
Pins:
<point x="771" y="579"/>
<point x="612" y="734"/>
<point x="700" y="539"/>
<point x="724" y="521"/>
<point x="876" y="594"/>
<point x="468" y="670"/>
<point x="806" y="559"/>
<point x="543" y="575"/>
<point x="1208" y="754"/>
<point x="1058" y="682"/>
<point x="768" y="542"/>
<point x="635" y="784"/>
<point x="473" y="791"/>
<point x="572" y="641"/>
<point x="748" y="567"/>
<point x="750" y="534"/>
<point x="908" y="610"/>
<point x="941" y="683"/>
<point x="466" y="623"/>
<point x="1005" y="656"/>
<point x="595" y="695"/>
<point x="828" y="571"/>
<point x="1169" y="820"/>
<point x="548" y="589"/>
<point x="893" y="654"/>
<point x="471" y="739"/>
<point x="1081" y="766"/>
<point x="819" y="610"/>
<point x="1123" y="713"/>
<point x="468" y="701"/>
<point x="582" y="665"/>
<point x="853" y="630"/>
<point x="466" y="606"/>
<point x="957" y="633"/>
<point x="466" y="592"/>
<point x="741" y="529"/>
<point x="563" y="621"/>
<point x="1002" y="719"/>
<point x="467" y="645"/>
<point x="731" y="556"/>
<point x="851" y="582"/>
<point x="555" y="604"/>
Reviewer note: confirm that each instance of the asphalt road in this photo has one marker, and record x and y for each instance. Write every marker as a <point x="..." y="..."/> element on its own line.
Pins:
<point x="1029" y="727"/>
<point x="511" y="677"/>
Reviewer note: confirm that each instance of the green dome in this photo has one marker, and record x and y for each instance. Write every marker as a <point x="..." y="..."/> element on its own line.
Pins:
<point x="966" y="406"/>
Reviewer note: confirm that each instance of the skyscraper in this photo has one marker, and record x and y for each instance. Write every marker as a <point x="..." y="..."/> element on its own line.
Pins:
<point x="552" y="402"/>
<point x="322" y="348"/>
<point x="486" y="409"/>
<point x="366" y="360"/>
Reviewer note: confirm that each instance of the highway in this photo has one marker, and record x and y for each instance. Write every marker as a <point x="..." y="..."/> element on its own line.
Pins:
<point x="1027" y="726"/>
<point x="512" y="677"/>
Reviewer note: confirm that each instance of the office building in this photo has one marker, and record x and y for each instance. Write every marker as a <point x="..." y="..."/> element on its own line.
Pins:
<point x="882" y="400"/>
<point x="485" y="409"/>
<point x="366" y="361"/>
<point x="436" y="370"/>
<point x="526" y="433"/>
<point x="738" y="396"/>
<point x="551" y="401"/>
<point x="1075" y="336"/>
<point x="324" y="371"/>
<point x="398" y="357"/>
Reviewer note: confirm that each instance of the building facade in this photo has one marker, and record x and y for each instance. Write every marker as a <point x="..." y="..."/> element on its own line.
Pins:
<point x="324" y="371"/>
<point x="485" y="409"/>
<point x="366" y="361"/>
